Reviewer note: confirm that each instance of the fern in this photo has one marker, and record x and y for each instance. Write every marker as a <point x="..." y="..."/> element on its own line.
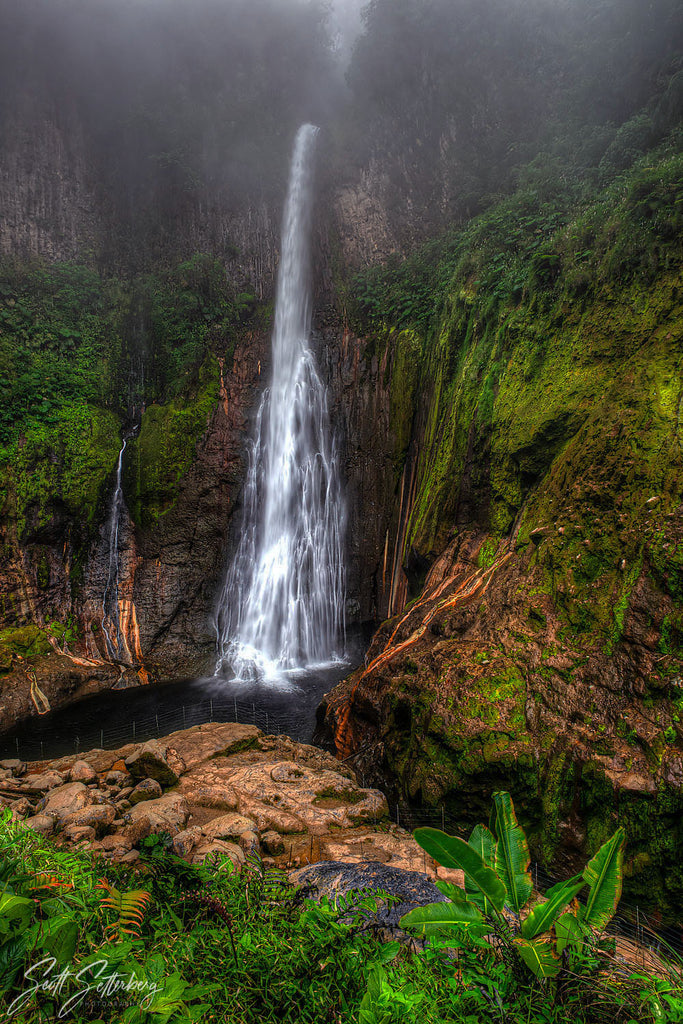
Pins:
<point x="47" y="881"/>
<point x="129" y="907"/>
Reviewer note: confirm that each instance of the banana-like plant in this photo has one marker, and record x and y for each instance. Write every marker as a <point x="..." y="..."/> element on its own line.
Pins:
<point x="498" y="889"/>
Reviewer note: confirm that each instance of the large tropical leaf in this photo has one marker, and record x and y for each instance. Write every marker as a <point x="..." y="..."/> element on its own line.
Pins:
<point x="452" y="852"/>
<point x="484" y="842"/>
<point x="15" y="913"/>
<point x="604" y="875"/>
<point x="568" y="932"/>
<point x="512" y="853"/>
<point x="539" y="957"/>
<point x="440" y="917"/>
<point x="452" y="892"/>
<point x="543" y="916"/>
<point x="560" y="885"/>
<point x="59" y="936"/>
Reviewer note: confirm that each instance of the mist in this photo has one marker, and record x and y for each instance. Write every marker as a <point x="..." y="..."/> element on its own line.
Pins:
<point x="183" y="103"/>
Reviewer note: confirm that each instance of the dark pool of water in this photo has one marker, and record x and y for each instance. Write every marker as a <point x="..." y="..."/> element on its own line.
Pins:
<point x="113" y="718"/>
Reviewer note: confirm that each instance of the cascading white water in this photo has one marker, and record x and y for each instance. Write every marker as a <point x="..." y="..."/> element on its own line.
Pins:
<point x="282" y="606"/>
<point x="111" y="625"/>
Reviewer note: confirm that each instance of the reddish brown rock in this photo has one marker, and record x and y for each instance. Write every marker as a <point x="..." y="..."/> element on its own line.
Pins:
<point x="167" y="814"/>
<point x="65" y="800"/>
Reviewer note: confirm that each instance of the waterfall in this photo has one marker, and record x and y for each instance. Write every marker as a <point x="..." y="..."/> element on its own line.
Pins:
<point x="116" y="647"/>
<point x="282" y="605"/>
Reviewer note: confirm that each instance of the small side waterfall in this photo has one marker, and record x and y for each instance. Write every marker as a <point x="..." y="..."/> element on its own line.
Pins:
<point x="282" y="606"/>
<point x="111" y="622"/>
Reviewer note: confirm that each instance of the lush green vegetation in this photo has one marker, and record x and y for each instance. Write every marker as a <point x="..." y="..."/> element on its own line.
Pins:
<point x="496" y="863"/>
<point x="30" y="642"/>
<point x="558" y="235"/>
<point x="531" y="303"/>
<point x="84" y="353"/>
<point x="547" y="397"/>
<point x="171" y="943"/>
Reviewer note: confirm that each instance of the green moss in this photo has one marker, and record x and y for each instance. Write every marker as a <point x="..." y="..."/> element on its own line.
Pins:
<point x="31" y="642"/>
<point x="486" y="555"/>
<point x="622" y="604"/>
<point x="70" y="347"/>
<point x="64" y="464"/>
<point x="488" y="692"/>
<point x="405" y="354"/>
<point x="521" y="383"/>
<point x="166" y="446"/>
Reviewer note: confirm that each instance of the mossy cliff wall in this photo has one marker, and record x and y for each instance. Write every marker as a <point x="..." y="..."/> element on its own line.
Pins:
<point x="170" y="361"/>
<point x="536" y="408"/>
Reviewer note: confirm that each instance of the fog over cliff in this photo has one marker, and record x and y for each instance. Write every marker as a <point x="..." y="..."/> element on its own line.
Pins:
<point x="178" y="103"/>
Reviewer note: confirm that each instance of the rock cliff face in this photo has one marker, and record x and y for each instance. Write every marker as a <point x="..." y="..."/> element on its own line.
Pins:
<point x="183" y="469"/>
<point x="541" y="493"/>
<point x="170" y="562"/>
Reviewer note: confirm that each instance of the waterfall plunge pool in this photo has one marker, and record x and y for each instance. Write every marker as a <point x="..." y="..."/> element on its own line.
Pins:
<point x="115" y="717"/>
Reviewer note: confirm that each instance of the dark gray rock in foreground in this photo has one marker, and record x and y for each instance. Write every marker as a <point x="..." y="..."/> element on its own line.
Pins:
<point x="334" y="878"/>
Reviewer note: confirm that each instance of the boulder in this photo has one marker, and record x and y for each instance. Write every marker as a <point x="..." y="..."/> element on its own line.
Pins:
<point x="98" y="817"/>
<point x="21" y="807"/>
<point x="79" y="833"/>
<point x="148" y="789"/>
<point x="184" y="842"/>
<point x="373" y="807"/>
<point x="100" y="796"/>
<point x="43" y="824"/>
<point x="82" y="772"/>
<point x="149" y="762"/>
<point x="228" y="826"/>
<point x="203" y="742"/>
<point x="283" y="796"/>
<point x="65" y="800"/>
<point x="100" y="760"/>
<point x="393" y="845"/>
<point x="118" y="779"/>
<point x="214" y="850"/>
<point x="44" y="780"/>
<point x="332" y="878"/>
<point x="116" y="844"/>
<point x="272" y="843"/>
<point x="218" y="797"/>
<point x="136" y="831"/>
<point x="167" y="814"/>
<point x="249" y="842"/>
